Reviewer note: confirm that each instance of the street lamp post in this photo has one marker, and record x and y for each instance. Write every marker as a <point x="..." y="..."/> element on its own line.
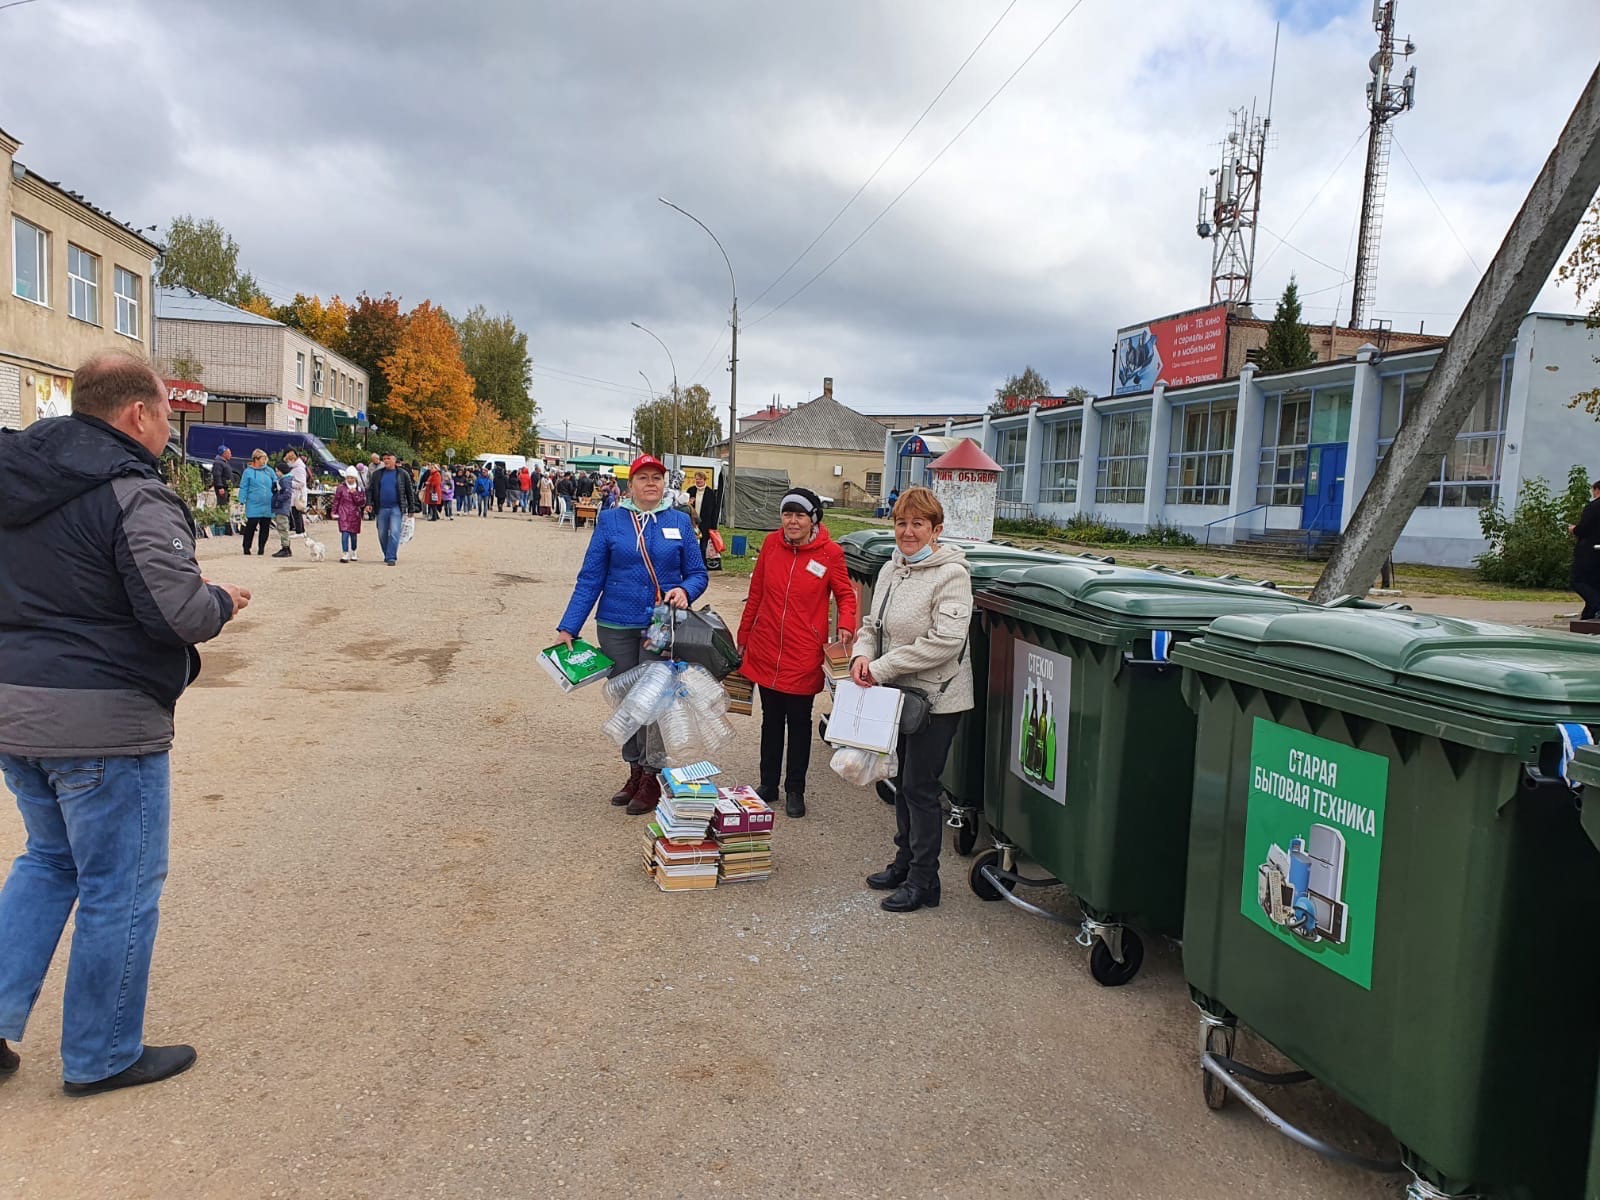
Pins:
<point x="733" y="367"/>
<point x="636" y="442"/>
<point x="674" y="365"/>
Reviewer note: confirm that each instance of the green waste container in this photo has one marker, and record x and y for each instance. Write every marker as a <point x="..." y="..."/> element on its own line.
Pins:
<point x="865" y="553"/>
<point x="1089" y="742"/>
<point x="1585" y="772"/>
<point x="1389" y="883"/>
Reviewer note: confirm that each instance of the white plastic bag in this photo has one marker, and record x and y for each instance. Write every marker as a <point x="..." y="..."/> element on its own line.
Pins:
<point x="864" y="767"/>
<point x="408" y="530"/>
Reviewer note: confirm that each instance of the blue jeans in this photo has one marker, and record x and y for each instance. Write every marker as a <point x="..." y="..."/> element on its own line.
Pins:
<point x="347" y="541"/>
<point x="97" y="836"/>
<point x="389" y="522"/>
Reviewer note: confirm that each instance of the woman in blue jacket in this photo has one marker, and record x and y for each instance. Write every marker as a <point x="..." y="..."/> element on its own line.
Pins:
<point x="628" y="585"/>
<point x="256" y="487"/>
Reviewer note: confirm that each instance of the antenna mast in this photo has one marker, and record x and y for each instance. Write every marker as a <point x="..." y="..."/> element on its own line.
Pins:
<point x="1386" y="100"/>
<point x="1228" y="212"/>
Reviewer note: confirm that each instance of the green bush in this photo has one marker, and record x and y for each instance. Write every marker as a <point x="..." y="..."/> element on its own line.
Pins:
<point x="1164" y="534"/>
<point x="1092" y="529"/>
<point x="1531" y="548"/>
<point x="347" y="448"/>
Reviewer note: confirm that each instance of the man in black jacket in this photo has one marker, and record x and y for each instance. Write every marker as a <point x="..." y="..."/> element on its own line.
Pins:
<point x="392" y="497"/>
<point x="1586" y="555"/>
<point x="101" y="606"/>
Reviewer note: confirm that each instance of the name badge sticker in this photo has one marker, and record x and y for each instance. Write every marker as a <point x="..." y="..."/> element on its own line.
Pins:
<point x="672" y="533"/>
<point x="816" y="568"/>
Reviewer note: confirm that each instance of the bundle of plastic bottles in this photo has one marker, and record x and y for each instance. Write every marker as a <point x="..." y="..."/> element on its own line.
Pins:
<point x="864" y="767"/>
<point x="683" y="701"/>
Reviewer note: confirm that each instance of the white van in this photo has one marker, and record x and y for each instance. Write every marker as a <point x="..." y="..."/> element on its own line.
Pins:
<point x="513" y="462"/>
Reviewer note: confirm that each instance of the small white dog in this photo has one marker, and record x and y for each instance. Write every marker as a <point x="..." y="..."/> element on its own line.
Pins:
<point x="316" y="549"/>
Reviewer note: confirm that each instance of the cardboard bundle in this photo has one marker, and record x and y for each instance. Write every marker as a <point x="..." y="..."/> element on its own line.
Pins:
<point x="576" y="666"/>
<point x="679" y="855"/>
<point x="742" y="831"/>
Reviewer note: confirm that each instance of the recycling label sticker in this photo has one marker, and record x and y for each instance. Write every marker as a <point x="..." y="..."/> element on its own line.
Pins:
<point x="1313" y="844"/>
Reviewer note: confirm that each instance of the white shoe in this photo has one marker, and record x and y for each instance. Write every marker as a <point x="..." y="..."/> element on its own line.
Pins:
<point x="352" y="556"/>
<point x="344" y="558"/>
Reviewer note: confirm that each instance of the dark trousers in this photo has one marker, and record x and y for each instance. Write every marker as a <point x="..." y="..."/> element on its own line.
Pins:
<point x="1586" y="581"/>
<point x="919" y="817"/>
<point x="254" y="526"/>
<point x="297" y="520"/>
<point x="780" y="712"/>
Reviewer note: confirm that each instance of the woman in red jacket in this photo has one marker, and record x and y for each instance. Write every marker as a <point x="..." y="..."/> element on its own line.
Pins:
<point x="783" y="633"/>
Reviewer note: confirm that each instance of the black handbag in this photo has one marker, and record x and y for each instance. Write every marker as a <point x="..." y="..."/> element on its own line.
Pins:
<point x="916" y="706"/>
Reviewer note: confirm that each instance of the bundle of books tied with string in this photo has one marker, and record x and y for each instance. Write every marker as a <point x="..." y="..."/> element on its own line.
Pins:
<point x="742" y="830"/>
<point x="680" y="854"/>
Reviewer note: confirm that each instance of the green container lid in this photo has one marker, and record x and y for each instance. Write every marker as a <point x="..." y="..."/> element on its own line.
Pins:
<point x="1074" y="595"/>
<point x="1504" y="671"/>
<point x="867" y="550"/>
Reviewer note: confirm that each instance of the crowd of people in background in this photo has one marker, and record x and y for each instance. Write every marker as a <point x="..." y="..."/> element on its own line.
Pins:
<point x="275" y="497"/>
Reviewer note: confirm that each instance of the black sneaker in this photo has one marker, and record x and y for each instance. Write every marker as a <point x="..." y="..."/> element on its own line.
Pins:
<point x="794" y="804"/>
<point x="155" y="1064"/>
<point x="284" y="553"/>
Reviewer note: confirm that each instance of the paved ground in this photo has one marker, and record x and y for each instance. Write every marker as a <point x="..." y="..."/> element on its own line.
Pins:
<point x="418" y="955"/>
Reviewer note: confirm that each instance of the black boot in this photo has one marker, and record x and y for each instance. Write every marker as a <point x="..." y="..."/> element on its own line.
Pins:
<point x="284" y="553"/>
<point x="908" y="897"/>
<point x="889" y="878"/>
<point x="9" y="1060"/>
<point x="768" y="793"/>
<point x="794" y="804"/>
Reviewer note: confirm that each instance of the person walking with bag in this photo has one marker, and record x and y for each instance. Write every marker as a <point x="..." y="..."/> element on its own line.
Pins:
<point x="258" y="487"/>
<point x="392" y="496"/>
<point x="915" y="637"/>
<point x="640" y="555"/>
<point x="783" y="634"/>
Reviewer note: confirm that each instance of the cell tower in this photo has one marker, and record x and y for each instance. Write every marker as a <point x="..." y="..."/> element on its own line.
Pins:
<point x="1386" y="100"/>
<point x="1228" y="210"/>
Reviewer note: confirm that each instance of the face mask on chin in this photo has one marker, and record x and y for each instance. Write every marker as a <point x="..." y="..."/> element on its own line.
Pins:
<point x="920" y="554"/>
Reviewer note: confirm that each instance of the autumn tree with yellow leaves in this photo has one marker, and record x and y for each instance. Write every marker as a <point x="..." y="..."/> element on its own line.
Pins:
<point x="430" y="391"/>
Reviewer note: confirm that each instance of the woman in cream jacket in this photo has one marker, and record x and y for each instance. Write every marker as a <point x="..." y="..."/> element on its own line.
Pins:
<point x="915" y="635"/>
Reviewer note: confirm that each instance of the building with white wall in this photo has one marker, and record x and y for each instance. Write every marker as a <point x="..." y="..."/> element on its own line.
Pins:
<point x="1293" y="451"/>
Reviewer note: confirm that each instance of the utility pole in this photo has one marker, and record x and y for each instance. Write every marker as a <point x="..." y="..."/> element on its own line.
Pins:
<point x="1385" y="100"/>
<point x="733" y="412"/>
<point x="1530" y="251"/>
<point x="566" y="438"/>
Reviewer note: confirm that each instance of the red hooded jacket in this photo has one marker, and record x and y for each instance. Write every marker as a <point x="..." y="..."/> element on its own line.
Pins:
<point x="785" y="623"/>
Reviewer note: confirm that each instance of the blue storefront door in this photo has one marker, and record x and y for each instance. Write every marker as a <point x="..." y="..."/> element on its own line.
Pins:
<point x="1324" y="500"/>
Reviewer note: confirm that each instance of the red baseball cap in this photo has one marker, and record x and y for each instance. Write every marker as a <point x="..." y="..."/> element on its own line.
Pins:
<point x="646" y="462"/>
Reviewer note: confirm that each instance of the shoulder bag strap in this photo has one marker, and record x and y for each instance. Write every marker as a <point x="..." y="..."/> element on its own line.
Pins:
<point x="638" y="533"/>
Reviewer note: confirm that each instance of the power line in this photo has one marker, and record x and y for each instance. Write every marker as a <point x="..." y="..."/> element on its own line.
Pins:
<point x="917" y="178"/>
<point x="1437" y="207"/>
<point x="886" y="157"/>
<point x="1300" y="252"/>
<point x="1314" y="196"/>
<point x="573" y="377"/>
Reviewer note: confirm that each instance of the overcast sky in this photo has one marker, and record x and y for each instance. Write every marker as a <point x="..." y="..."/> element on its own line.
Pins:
<point x="511" y="153"/>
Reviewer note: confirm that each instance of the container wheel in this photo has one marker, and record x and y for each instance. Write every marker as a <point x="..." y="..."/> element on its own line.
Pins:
<point x="885" y="789"/>
<point x="1107" y="971"/>
<point x="1219" y="1041"/>
<point x="981" y="886"/>
<point x="822" y="728"/>
<point x="966" y="839"/>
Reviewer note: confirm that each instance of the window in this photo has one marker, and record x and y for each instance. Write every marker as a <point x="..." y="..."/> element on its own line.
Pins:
<point x="335" y="383"/>
<point x="1058" y="469"/>
<point x="1011" y="451"/>
<point x="874" y="478"/>
<point x="300" y="370"/>
<point x="1285" y="433"/>
<point x="128" y="290"/>
<point x="236" y="412"/>
<point x="1469" y="473"/>
<point x="83" y="284"/>
<point x="30" y="246"/>
<point x="1124" y="458"/>
<point x="316" y="377"/>
<point x="1200" y="464"/>
<point x="361" y="393"/>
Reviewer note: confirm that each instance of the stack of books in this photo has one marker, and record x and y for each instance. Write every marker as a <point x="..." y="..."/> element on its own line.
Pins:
<point x="742" y="832"/>
<point x="679" y="855"/>
<point x="836" y="662"/>
<point x="741" y="693"/>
